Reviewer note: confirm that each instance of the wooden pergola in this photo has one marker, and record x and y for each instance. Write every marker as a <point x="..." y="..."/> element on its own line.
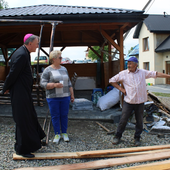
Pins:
<point x="94" y="27"/>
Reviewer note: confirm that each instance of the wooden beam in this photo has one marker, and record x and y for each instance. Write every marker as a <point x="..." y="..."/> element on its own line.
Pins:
<point x="105" y="163"/>
<point x="74" y="155"/>
<point x="121" y="50"/>
<point x="95" y="52"/>
<point x="44" y="52"/>
<point x="110" y="40"/>
<point x="123" y="150"/>
<point x="110" y="61"/>
<point x="103" y="127"/>
<point x="62" y="48"/>
<point x="102" y="69"/>
<point x="93" y="35"/>
<point x="163" y="165"/>
<point x="122" y="27"/>
<point x="107" y="40"/>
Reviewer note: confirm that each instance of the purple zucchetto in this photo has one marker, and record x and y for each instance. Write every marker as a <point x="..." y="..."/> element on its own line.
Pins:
<point x="27" y="36"/>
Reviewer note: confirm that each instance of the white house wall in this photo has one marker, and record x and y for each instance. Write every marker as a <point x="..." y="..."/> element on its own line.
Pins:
<point x="146" y="56"/>
<point x="157" y="60"/>
<point x="159" y="57"/>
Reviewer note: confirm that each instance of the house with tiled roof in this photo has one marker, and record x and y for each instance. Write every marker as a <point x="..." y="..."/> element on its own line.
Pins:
<point x="154" y="45"/>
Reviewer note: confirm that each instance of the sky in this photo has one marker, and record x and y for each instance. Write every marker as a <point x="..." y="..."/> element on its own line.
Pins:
<point x="155" y="7"/>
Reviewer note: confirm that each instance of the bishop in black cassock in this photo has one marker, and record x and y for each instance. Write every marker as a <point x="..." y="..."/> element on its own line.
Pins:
<point x="19" y="82"/>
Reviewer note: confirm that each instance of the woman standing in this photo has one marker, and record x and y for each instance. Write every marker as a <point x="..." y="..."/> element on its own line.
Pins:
<point x="59" y="91"/>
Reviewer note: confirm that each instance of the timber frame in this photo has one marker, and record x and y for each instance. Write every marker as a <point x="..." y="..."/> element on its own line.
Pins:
<point x="93" y="28"/>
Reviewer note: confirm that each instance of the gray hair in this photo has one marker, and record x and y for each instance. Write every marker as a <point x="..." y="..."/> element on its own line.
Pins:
<point x="31" y="39"/>
<point x="54" y="54"/>
<point x="135" y="63"/>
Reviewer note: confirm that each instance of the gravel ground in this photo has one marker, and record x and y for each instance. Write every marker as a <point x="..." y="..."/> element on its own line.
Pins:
<point x="84" y="136"/>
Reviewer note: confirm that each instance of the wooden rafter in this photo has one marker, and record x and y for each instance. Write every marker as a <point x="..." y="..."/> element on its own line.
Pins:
<point x="110" y="40"/>
<point x="44" y="52"/>
<point x="62" y="48"/>
<point x="93" y="35"/>
<point x="121" y="50"/>
<point x="95" y="52"/>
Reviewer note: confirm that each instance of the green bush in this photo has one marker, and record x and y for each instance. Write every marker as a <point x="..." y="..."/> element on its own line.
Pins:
<point x="2" y="64"/>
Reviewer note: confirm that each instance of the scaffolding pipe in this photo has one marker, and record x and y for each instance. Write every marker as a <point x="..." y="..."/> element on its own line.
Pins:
<point x="52" y="36"/>
<point x="38" y="56"/>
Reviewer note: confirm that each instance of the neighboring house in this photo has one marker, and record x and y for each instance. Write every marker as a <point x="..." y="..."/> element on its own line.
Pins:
<point x="154" y="45"/>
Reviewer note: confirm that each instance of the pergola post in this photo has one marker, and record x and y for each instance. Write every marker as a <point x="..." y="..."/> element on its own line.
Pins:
<point x="110" y="61"/>
<point x="121" y="50"/>
<point x="102" y="69"/>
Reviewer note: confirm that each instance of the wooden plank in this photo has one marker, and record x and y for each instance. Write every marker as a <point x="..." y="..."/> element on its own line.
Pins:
<point x="105" y="163"/>
<point x="164" y="165"/>
<point x="74" y="155"/>
<point x="103" y="127"/>
<point x="123" y="150"/>
<point x="48" y="156"/>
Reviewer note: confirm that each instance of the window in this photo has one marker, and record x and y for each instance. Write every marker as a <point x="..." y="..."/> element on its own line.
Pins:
<point x="146" y="65"/>
<point x="146" y="44"/>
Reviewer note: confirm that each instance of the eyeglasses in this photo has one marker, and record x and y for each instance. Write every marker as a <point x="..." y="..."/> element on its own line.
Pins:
<point x="60" y="58"/>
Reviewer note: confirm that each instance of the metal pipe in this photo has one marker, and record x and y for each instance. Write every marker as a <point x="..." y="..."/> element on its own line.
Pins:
<point x="38" y="76"/>
<point x="42" y="26"/>
<point x="52" y="36"/>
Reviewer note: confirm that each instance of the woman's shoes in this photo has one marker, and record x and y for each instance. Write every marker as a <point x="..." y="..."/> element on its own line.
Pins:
<point x="58" y="137"/>
<point x="65" y="137"/>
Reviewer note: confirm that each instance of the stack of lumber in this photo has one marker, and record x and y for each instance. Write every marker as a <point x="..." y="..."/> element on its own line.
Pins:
<point x="127" y="156"/>
<point x="38" y="96"/>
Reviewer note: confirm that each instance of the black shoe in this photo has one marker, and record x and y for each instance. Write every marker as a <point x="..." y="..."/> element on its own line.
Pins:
<point x="137" y="142"/>
<point x="26" y="155"/>
<point x="43" y="143"/>
<point x="116" y="140"/>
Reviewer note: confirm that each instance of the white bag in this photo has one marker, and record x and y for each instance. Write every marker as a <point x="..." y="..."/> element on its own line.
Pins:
<point x="110" y="99"/>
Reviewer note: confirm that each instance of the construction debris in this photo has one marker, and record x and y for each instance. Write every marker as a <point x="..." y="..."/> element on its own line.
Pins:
<point x="156" y="116"/>
<point x="108" y="131"/>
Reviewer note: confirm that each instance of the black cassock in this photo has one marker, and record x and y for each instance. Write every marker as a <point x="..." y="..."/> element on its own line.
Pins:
<point x="20" y="81"/>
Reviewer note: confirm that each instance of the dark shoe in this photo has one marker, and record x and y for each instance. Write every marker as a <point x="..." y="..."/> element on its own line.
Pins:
<point x="26" y="155"/>
<point x="116" y="140"/>
<point x="137" y="142"/>
<point x="43" y="143"/>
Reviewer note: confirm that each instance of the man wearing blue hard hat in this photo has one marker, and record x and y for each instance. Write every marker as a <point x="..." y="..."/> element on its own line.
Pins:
<point x="135" y="94"/>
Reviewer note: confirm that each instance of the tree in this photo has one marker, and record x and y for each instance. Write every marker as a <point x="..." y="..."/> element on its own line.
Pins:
<point x="3" y="4"/>
<point x="130" y="49"/>
<point x="93" y="56"/>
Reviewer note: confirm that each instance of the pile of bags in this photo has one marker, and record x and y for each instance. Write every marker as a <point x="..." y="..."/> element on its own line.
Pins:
<point x="108" y="100"/>
<point x="82" y="104"/>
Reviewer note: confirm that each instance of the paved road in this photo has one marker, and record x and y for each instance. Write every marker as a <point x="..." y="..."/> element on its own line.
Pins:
<point x="162" y="88"/>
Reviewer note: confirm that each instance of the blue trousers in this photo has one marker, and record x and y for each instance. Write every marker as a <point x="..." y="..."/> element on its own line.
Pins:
<point x="59" y="108"/>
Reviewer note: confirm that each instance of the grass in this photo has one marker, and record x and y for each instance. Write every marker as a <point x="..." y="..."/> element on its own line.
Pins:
<point x="161" y="94"/>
